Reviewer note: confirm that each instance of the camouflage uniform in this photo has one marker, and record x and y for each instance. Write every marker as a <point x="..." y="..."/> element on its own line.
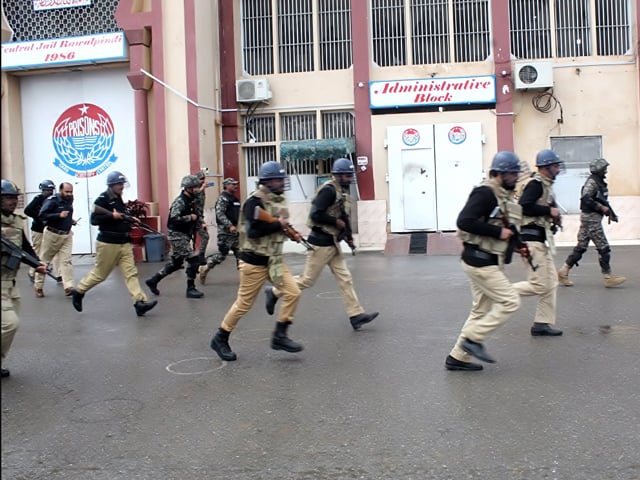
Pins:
<point x="201" y="229"/>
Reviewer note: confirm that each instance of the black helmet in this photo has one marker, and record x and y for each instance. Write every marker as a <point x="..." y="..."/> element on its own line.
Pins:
<point x="343" y="165"/>
<point x="116" y="177"/>
<point x="9" y="188"/>
<point x="270" y="170"/>
<point x="505" y="162"/>
<point x="190" y="181"/>
<point x="598" y="166"/>
<point x="47" y="185"/>
<point x="546" y="158"/>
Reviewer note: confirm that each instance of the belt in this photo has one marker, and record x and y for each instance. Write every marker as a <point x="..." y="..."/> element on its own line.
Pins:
<point x="58" y="232"/>
<point x="533" y="232"/>
<point x="470" y="251"/>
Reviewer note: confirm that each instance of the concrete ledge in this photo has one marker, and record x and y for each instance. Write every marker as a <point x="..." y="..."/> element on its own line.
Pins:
<point x="440" y="243"/>
<point x="397" y="244"/>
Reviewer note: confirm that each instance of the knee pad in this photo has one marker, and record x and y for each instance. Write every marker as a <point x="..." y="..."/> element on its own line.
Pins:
<point x="605" y="258"/>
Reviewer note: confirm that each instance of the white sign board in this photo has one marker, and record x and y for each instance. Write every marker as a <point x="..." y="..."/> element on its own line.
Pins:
<point x="52" y="4"/>
<point x="104" y="47"/>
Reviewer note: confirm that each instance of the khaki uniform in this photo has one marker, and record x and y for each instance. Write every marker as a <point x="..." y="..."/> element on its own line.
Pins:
<point x="60" y="246"/>
<point x="12" y="229"/>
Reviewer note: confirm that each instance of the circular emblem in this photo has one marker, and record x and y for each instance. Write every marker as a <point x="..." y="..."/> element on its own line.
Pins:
<point x="457" y="135"/>
<point x="83" y="140"/>
<point x="411" y="137"/>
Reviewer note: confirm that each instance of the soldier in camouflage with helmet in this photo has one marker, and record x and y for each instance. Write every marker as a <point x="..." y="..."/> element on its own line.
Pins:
<point x="594" y="205"/>
<point x="227" y="213"/>
<point x="12" y="230"/>
<point x="184" y="218"/>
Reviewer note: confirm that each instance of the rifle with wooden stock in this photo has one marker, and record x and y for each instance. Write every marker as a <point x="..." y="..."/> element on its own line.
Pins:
<point x="126" y="218"/>
<point x="290" y="232"/>
<point x="516" y="242"/>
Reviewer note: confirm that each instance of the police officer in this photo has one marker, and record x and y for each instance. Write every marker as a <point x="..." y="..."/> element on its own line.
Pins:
<point x="113" y="246"/>
<point x="539" y="213"/>
<point x="594" y="205"/>
<point x="57" y="239"/>
<point x="12" y="230"/>
<point x="202" y="231"/>
<point x="485" y="237"/>
<point x="227" y="213"/>
<point x="261" y="259"/>
<point x="47" y="187"/>
<point x="184" y="219"/>
<point x="329" y="222"/>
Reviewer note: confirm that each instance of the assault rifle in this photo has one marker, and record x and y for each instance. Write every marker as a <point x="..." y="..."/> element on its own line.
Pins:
<point x="556" y="222"/>
<point x="612" y="215"/>
<point x="347" y="235"/>
<point x="17" y="255"/>
<point x="516" y="242"/>
<point x="290" y="232"/>
<point x="126" y="218"/>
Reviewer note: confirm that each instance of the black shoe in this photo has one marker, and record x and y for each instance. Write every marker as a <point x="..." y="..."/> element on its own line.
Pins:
<point x="76" y="299"/>
<point x="270" y="300"/>
<point x="5" y="373"/>
<point x="143" y="307"/>
<point x="220" y="344"/>
<point x="454" y="364"/>
<point x="358" y="320"/>
<point x="152" y="283"/>
<point x="544" y="330"/>
<point x="477" y="350"/>
<point x="193" y="292"/>
<point x="280" y="341"/>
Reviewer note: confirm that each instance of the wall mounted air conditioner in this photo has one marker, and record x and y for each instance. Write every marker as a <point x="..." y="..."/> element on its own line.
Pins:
<point x="252" y="90"/>
<point x="533" y="74"/>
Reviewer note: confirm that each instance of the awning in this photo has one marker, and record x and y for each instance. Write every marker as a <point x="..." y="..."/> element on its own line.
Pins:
<point x="317" y="149"/>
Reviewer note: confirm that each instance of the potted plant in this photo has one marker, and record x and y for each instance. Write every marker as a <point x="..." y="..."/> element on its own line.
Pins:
<point x="136" y="209"/>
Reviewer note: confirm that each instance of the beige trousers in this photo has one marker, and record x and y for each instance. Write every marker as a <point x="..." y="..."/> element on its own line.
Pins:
<point x="316" y="261"/>
<point x="252" y="278"/>
<point x="61" y="246"/>
<point x="543" y="282"/>
<point x="10" y="319"/>
<point x="494" y="301"/>
<point x="109" y="256"/>
<point x="36" y="240"/>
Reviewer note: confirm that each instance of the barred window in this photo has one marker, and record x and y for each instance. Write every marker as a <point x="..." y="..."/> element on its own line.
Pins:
<point x="334" y="28"/>
<point x="260" y="128"/>
<point x="295" y="36"/>
<point x="471" y="36"/>
<point x="570" y="28"/>
<point x="388" y="32"/>
<point x="430" y="31"/>
<point x="257" y="37"/>
<point x="298" y="126"/>
<point x="338" y="124"/>
<point x="256" y="156"/>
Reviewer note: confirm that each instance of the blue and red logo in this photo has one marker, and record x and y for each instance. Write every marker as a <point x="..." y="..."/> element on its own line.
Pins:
<point x="411" y="137"/>
<point x="457" y="135"/>
<point x="83" y="140"/>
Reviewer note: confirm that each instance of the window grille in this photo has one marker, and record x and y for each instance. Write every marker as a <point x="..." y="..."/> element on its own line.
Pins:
<point x="572" y="28"/>
<point x="388" y="32"/>
<point x="28" y="25"/>
<point x="295" y="36"/>
<point x="334" y="28"/>
<point x="256" y="156"/>
<point x="472" y="34"/>
<point x="298" y="126"/>
<point x="613" y="35"/>
<point x="300" y="167"/>
<point x="430" y="31"/>
<point x="260" y="128"/>
<point x="338" y="125"/>
<point x="257" y="37"/>
<point x="530" y="24"/>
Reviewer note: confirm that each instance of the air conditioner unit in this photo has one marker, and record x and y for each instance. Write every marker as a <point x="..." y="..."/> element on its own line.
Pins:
<point x="530" y="74"/>
<point x="252" y="90"/>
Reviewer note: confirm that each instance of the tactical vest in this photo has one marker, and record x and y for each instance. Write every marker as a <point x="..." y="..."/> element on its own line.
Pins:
<point x="187" y="207"/>
<point x="545" y="199"/>
<point x="340" y="206"/>
<point x="506" y="204"/>
<point x="602" y="193"/>
<point x="269" y="245"/>
<point x="12" y="229"/>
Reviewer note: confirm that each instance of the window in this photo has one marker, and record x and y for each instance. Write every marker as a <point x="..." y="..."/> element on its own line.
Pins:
<point x="387" y="18"/>
<point x="471" y="36"/>
<point x="338" y="125"/>
<point x="334" y="20"/>
<point x="295" y="36"/>
<point x="430" y="31"/>
<point x="259" y="130"/>
<point x="570" y="28"/>
<point x="298" y="126"/>
<point x="257" y="37"/>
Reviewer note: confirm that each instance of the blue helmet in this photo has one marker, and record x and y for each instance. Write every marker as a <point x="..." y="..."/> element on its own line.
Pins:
<point x="47" y="185"/>
<point x="546" y="158"/>
<point x="270" y="170"/>
<point x="116" y="177"/>
<point x="343" y="165"/>
<point x="505" y="162"/>
<point x="9" y="188"/>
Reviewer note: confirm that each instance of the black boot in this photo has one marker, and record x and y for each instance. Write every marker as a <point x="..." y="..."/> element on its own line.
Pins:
<point x="76" y="299"/>
<point x="152" y="283"/>
<point x="280" y="341"/>
<point x="358" y="320"/>
<point x="143" y="307"/>
<point x="5" y="373"/>
<point x="220" y="344"/>
<point x="192" y="291"/>
<point x="270" y="300"/>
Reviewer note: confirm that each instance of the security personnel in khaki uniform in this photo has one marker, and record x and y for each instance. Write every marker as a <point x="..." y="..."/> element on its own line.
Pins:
<point x="47" y="187"/>
<point x="330" y="223"/>
<point x="13" y="230"/>
<point x="539" y="213"/>
<point x="261" y="259"/>
<point x="113" y="246"/>
<point x="481" y="226"/>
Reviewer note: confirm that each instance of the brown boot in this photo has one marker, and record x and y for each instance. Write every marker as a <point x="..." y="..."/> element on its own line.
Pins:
<point x="202" y="273"/>
<point x="612" y="280"/>
<point x="39" y="293"/>
<point x="563" y="276"/>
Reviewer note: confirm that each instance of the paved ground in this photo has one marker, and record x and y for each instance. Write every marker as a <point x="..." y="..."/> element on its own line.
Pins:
<point x="105" y="395"/>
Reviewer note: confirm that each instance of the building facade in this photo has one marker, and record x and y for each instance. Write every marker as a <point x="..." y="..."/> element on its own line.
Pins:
<point x="419" y="94"/>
